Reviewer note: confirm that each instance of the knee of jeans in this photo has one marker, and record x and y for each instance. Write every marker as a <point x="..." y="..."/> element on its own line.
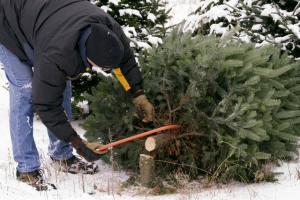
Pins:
<point x="22" y="91"/>
<point x="20" y="82"/>
<point x="26" y="87"/>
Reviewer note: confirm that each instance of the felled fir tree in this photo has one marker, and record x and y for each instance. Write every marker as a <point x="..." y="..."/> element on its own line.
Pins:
<point x="238" y="107"/>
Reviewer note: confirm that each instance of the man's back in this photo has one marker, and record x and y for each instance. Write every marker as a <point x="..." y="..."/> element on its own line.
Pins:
<point x="21" y="21"/>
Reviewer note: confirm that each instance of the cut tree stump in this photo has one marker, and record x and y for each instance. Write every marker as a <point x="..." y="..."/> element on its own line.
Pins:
<point x="158" y="141"/>
<point x="147" y="170"/>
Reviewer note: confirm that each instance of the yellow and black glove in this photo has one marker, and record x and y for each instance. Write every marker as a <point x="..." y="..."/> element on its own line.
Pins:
<point x="145" y="110"/>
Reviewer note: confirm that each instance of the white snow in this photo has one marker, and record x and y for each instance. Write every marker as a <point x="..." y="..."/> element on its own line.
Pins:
<point x="151" y="17"/>
<point x="130" y="12"/>
<point x="295" y="28"/>
<point x="116" y="2"/>
<point x="154" y="40"/>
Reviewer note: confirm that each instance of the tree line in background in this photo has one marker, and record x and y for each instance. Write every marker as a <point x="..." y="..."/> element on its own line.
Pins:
<point x="236" y="97"/>
<point x="261" y="22"/>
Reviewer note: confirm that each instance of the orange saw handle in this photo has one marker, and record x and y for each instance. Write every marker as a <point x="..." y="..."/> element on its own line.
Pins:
<point x="106" y="146"/>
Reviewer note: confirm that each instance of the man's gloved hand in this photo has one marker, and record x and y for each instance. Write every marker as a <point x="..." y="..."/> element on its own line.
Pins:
<point x="145" y="109"/>
<point x="87" y="149"/>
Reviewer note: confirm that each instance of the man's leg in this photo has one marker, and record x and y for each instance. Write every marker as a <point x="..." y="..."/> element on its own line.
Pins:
<point x="59" y="149"/>
<point x="20" y="78"/>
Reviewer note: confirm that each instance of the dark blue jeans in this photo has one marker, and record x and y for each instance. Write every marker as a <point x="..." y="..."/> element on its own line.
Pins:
<point x="21" y="115"/>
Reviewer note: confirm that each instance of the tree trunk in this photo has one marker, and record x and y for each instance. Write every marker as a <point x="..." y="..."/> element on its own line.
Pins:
<point x="147" y="170"/>
<point x="158" y="141"/>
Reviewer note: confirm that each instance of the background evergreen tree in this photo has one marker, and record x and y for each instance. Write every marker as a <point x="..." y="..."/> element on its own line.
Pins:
<point x="261" y="22"/>
<point x="143" y="21"/>
<point x="80" y="86"/>
<point x="238" y="107"/>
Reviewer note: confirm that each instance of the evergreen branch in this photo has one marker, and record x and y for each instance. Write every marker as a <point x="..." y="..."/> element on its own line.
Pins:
<point x="233" y="8"/>
<point x="224" y="101"/>
<point x="166" y="97"/>
<point x="230" y="154"/>
<point x="257" y="36"/>
<point x="169" y="107"/>
<point x="171" y="111"/>
<point x="297" y="6"/>
<point x="246" y="8"/>
<point x="284" y="24"/>
<point x="256" y="9"/>
<point x="191" y="134"/>
<point x="143" y="129"/>
<point x="174" y="110"/>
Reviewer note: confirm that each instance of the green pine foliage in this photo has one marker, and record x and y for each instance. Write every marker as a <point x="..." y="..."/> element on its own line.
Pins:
<point x="111" y="119"/>
<point x="111" y="107"/>
<point x="80" y="86"/>
<point x="237" y="105"/>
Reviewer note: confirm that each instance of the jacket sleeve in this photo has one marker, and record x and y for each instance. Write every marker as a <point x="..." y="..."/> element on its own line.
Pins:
<point x="128" y="72"/>
<point x="49" y="84"/>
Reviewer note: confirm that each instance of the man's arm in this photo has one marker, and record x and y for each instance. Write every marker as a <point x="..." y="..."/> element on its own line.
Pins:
<point x="128" y="72"/>
<point x="130" y="77"/>
<point x="47" y="102"/>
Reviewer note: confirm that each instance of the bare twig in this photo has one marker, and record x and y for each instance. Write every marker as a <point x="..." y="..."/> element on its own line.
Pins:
<point x="191" y="134"/>
<point x="112" y="162"/>
<point x="143" y="129"/>
<point x="83" y="188"/>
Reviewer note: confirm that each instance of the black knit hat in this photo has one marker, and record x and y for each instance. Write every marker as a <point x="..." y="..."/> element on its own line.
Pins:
<point x="103" y="47"/>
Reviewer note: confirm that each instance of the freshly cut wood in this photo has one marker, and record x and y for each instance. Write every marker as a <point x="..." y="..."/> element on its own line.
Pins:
<point x="158" y="141"/>
<point x="147" y="170"/>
